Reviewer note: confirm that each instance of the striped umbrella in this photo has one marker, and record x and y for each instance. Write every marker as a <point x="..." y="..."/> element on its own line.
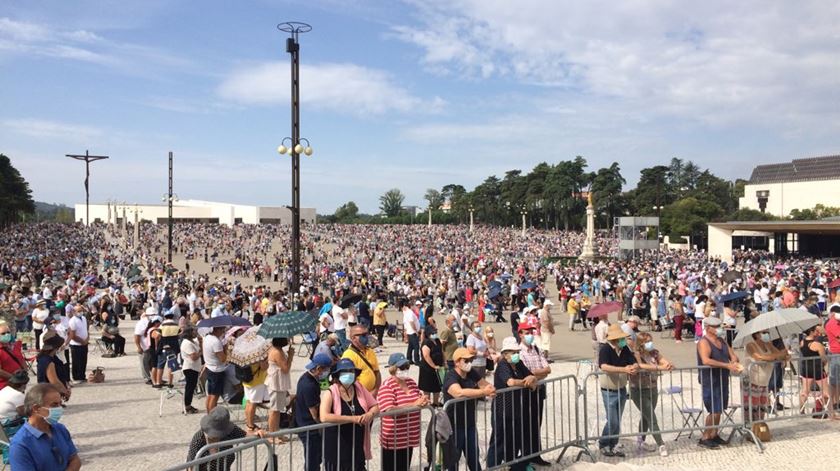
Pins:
<point x="287" y="324"/>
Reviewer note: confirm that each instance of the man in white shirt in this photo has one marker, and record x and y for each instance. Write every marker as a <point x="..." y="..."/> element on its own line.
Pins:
<point x="339" y="316"/>
<point x="78" y="335"/>
<point x="215" y="360"/>
<point x="411" y="325"/>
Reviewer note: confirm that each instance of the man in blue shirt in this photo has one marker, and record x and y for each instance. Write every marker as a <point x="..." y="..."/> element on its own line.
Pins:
<point x="43" y="443"/>
<point x="306" y="408"/>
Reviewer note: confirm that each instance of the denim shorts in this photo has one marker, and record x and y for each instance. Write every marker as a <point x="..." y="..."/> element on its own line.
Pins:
<point x="168" y="359"/>
<point x="834" y="371"/>
<point x="216" y="383"/>
<point x="716" y="396"/>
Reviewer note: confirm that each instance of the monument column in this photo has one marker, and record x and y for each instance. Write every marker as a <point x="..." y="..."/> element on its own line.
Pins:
<point x="588" y="252"/>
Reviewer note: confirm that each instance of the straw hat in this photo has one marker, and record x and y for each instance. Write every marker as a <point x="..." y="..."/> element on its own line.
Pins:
<point x="615" y="332"/>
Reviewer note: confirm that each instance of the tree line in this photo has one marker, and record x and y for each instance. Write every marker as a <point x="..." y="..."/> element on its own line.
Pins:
<point x="16" y="202"/>
<point x="683" y="195"/>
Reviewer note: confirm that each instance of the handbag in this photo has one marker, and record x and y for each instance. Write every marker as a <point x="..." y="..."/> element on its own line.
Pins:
<point x="762" y="432"/>
<point x="96" y="375"/>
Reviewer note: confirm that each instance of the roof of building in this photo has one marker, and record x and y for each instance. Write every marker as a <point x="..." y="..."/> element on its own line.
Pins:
<point x="820" y="226"/>
<point x="799" y="170"/>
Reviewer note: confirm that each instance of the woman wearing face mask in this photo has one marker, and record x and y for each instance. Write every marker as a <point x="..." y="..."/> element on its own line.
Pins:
<point x="430" y="366"/>
<point x="492" y="352"/>
<point x="348" y="404"/>
<point x="812" y="367"/>
<point x="511" y="408"/>
<point x="191" y="355"/>
<point x="763" y="354"/>
<point x="478" y="347"/>
<point x="400" y="433"/>
<point x="644" y="389"/>
<point x="50" y="368"/>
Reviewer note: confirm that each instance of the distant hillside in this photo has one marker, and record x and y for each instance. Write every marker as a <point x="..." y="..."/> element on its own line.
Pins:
<point x="56" y="212"/>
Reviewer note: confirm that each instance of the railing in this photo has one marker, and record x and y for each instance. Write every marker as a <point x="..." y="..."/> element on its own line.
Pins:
<point x="516" y="426"/>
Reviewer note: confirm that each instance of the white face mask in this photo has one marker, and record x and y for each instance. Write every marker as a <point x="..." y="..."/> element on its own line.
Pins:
<point x="466" y="367"/>
<point x="403" y="374"/>
<point x="837" y="316"/>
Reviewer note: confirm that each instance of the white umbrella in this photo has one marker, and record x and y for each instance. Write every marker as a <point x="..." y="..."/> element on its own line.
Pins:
<point x="780" y="324"/>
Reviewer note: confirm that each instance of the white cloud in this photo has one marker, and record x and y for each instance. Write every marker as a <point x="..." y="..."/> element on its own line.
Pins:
<point x="45" y="129"/>
<point x="722" y="63"/>
<point x="346" y="88"/>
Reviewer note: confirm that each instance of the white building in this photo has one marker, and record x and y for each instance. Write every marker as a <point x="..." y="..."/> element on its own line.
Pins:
<point x="800" y="184"/>
<point x="193" y="211"/>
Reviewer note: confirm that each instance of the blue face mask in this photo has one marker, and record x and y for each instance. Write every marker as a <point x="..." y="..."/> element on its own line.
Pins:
<point x="54" y="415"/>
<point x="622" y="343"/>
<point x="6" y="338"/>
<point x="433" y="336"/>
<point x="324" y="375"/>
<point x="529" y="339"/>
<point x="346" y="378"/>
<point x="514" y="358"/>
<point x="363" y="340"/>
<point x="765" y="337"/>
<point x="649" y="346"/>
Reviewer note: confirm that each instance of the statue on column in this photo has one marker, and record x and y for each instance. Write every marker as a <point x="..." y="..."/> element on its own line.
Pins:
<point x="588" y="252"/>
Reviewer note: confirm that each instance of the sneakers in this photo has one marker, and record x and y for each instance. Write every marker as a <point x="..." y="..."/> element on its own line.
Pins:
<point x="663" y="452"/>
<point x="719" y="440"/>
<point x="611" y="453"/>
<point x="710" y="444"/>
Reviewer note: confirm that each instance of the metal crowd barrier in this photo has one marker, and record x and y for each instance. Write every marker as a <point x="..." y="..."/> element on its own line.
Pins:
<point x="516" y="426"/>
<point x="782" y="391"/>
<point x="666" y="405"/>
<point x="328" y="446"/>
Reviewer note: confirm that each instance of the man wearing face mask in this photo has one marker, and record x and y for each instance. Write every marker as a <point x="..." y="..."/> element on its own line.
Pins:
<point x="714" y="352"/>
<point x="307" y="405"/>
<point x="448" y="340"/>
<point x="832" y="331"/>
<point x="617" y="362"/>
<point x="43" y="444"/>
<point x="364" y="358"/>
<point x="461" y="382"/>
<point x="537" y="364"/>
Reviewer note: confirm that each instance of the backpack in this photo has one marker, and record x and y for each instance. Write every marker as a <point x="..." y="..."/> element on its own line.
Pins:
<point x="244" y="373"/>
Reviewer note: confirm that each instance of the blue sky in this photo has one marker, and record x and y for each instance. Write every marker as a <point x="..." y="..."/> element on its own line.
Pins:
<point x="408" y="94"/>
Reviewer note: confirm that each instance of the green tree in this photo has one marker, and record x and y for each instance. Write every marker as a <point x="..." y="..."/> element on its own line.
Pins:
<point x="653" y="189"/>
<point x="348" y="212"/>
<point x="747" y="214"/>
<point x="688" y="216"/>
<point x="391" y="202"/>
<point x="459" y="203"/>
<point x="606" y="189"/>
<point x="15" y="195"/>
<point x="434" y="198"/>
<point x="819" y="211"/>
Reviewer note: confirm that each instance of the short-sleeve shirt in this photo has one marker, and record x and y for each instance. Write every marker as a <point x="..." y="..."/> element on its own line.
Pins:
<point x="340" y="323"/>
<point x="212" y="346"/>
<point x="308" y="395"/>
<point x="78" y="325"/>
<point x="10" y="400"/>
<point x="463" y="412"/>
<point x="409" y="321"/>
<point x="448" y="341"/>
<point x="401" y="431"/>
<point x="189" y="347"/>
<point x="368" y="376"/>
<point x="480" y="347"/>
<point x="608" y="356"/>
<point x="32" y="449"/>
<point x="832" y="331"/>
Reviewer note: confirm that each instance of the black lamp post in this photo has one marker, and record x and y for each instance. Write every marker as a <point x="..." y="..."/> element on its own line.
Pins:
<point x="169" y="199"/>
<point x="294" y="29"/>
<point x="87" y="158"/>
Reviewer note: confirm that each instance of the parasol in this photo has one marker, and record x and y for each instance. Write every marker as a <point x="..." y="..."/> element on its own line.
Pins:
<point x="223" y="321"/>
<point x="249" y="348"/>
<point x="733" y="296"/>
<point x="528" y="285"/>
<point x="604" y="309"/>
<point x="348" y="300"/>
<point x="731" y="276"/>
<point x="780" y="324"/>
<point x="287" y="324"/>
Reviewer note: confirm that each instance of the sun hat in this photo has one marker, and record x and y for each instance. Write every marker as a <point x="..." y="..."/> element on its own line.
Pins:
<point x="397" y="359"/>
<point x="345" y="364"/>
<point x="711" y="322"/>
<point x="321" y="360"/>
<point x="150" y="311"/>
<point x="634" y="318"/>
<point x="548" y="302"/>
<point x="615" y="332"/>
<point x="217" y="423"/>
<point x="461" y="353"/>
<point x="509" y="344"/>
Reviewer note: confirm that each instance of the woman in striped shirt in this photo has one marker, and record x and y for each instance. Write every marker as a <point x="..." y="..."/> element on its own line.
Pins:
<point x="400" y="432"/>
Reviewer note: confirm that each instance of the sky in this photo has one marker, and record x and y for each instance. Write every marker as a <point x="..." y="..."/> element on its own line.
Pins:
<point x="412" y="94"/>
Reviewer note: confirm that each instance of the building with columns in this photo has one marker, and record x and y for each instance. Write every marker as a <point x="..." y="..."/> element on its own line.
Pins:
<point x="194" y="211"/>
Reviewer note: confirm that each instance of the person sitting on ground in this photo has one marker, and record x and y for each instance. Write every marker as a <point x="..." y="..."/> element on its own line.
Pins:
<point x="43" y="443"/>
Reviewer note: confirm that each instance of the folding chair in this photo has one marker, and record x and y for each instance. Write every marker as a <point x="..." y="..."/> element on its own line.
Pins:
<point x="310" y="341"/>
<point x="691" y="415"/>
<point x="727" y="419"/>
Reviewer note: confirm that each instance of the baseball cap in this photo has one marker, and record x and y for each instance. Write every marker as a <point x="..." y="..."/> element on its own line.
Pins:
<point x="525" y="326"/>
<point x="461" y="353"/>
<point x="320" y="360"/>
<point x="397" y="359"/>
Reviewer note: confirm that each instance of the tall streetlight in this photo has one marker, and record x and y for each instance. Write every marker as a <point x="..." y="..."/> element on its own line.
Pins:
<point x="87" y="158"/>
<point x="524" y="214"/>
<point x="294" y="29"/>
<point x="472" y="210"/>
<point x="169" y="199"/>
<point x="658" y="209"/>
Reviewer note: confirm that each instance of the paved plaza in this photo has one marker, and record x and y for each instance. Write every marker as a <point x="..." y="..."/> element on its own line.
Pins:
<point x="116" y="424"/>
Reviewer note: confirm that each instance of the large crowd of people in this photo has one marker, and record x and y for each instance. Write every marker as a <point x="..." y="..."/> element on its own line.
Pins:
<point x="65" y="286"/>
